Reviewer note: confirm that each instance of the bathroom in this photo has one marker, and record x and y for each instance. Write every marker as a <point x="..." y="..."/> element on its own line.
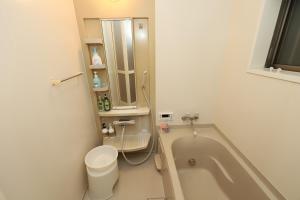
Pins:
<point x="206" y="110"/>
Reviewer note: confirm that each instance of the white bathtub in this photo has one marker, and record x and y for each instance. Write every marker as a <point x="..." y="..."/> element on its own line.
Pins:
<point x="207" y="167"/>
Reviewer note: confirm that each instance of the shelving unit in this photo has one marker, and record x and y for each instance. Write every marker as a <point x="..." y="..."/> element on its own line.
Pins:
<point x="134" y="140"/>
<point x="102" y="89"/>
<point x="125" y="113"/>
<point x="93" y="38"/>
<point x="131" y="142"/>
<point x="98" y="67"/>
<point x="93" y="41"/>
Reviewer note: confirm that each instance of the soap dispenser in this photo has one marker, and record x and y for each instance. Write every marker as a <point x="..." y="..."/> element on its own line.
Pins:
<point x="96" y="80"/>
<point x="96" y="59"/>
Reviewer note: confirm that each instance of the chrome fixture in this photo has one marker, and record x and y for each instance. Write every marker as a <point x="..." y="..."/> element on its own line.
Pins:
<point x="124" y="122"/>
<point x="190" y="117"/>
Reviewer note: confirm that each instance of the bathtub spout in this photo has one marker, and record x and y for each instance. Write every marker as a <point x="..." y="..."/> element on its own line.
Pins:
<point x="195" y="133"/>
<point x="191" y="118"/>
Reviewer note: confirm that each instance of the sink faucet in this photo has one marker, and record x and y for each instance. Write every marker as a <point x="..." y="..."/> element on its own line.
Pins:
<point x="191" y="118"/>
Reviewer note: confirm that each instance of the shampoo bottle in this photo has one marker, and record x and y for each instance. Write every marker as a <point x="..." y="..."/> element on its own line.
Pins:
<point x="96" y="59"/>
<point x="107" y="104"/>
<point x="100" y="104"/>
<point x="96" y="80"/>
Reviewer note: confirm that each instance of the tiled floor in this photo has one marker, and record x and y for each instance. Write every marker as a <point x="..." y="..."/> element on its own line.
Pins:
<point x="138" y="182"/>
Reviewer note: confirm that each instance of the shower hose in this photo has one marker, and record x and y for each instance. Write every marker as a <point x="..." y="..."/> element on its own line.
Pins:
<point x="153" y="138"/>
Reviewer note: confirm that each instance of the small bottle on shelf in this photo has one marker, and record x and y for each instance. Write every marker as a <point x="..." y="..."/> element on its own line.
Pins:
<point x="100" y="104"/>
<point x="107" y="104"/>
<point x="96" y="80"/>
<point x="104" y="129"/>
<point x="110" y="129"/>
<point x="96" y="59"/>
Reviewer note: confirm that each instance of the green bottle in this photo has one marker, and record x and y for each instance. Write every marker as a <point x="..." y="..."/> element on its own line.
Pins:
<point x="106" y="102"/>
<point x="100" y="104"/>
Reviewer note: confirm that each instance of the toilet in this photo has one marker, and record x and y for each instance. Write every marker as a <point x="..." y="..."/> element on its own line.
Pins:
<point x="102" y="169"/>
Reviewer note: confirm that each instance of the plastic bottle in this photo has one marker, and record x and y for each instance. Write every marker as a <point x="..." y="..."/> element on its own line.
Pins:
<point x="107" y="104"/>
<point x="96" y="59"/>
<point x="104" y="129"/>
<point x="100" y="104"/>
<point x="96" y="80"/>
<point x="110" y="129"/>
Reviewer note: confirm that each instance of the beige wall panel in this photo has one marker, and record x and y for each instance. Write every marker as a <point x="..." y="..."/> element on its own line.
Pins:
<point x="45" y="131"/>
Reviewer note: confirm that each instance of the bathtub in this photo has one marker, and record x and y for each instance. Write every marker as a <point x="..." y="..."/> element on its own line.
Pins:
<point x="206" y="167"/>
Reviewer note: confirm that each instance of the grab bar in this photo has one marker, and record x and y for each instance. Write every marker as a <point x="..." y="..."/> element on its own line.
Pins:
<point x="58" y="82"/>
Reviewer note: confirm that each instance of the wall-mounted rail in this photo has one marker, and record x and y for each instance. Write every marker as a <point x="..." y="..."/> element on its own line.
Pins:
<point x="58" y="82"/>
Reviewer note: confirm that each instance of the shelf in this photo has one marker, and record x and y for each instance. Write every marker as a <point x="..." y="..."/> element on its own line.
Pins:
<point x="101" y="89"/>
<point x="131" y="142"/>
<point x="129" y="112"/>
<point x="93" y="41"/>
<point x="103" y="66"/>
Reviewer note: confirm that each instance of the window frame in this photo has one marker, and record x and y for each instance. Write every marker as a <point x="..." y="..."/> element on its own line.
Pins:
<point x="280" y="28"/>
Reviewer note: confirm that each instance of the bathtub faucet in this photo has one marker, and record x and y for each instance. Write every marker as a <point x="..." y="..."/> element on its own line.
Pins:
<point x="190" y="117"/>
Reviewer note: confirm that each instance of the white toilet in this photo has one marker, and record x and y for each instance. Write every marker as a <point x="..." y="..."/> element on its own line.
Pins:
<point x="102" y="169"/>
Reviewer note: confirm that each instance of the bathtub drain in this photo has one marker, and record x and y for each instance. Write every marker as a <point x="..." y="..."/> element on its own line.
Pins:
<point x="192" y="162"/>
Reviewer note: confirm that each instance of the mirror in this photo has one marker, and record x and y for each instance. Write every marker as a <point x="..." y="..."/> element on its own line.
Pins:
<point x="118" y="39"/>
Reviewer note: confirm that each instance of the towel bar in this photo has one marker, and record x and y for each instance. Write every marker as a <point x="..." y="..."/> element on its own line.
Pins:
<point x="58" y="82"/>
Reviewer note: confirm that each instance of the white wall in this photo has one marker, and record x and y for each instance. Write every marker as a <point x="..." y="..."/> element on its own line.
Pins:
<point x="45" y="131"/>
<point x="190" y="43"/>
<point x="259" y="115"/>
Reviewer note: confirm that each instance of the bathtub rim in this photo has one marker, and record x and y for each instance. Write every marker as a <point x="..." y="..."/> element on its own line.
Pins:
<point x="209" y="131"/>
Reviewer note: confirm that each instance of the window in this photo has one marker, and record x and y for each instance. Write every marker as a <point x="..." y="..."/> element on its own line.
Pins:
<point x="284" y="51"/>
